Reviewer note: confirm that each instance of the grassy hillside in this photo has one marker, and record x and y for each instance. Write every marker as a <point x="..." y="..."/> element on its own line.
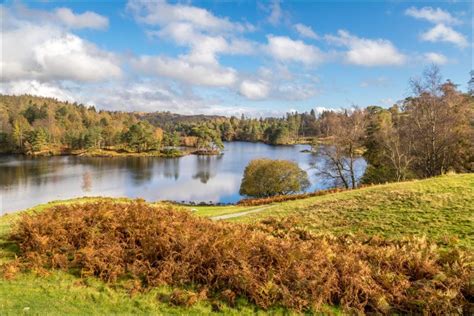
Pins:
<point x="440" y="208"/>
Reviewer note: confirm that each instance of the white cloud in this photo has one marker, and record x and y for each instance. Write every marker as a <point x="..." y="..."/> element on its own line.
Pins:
<point x="47" y="52"/>
<point x="432" y="15"/>
<point x="63" y="17"/>
<point x="254" y="90"/>
<point x="295" y="91"/>
<point x="284" y="48"/>
<point x="182" y="70"/>
<point x="368" y="52"/>
<point x="435" y="58"/>
<point x="443" y="33"/>
<point x="204" y="48"/>
<point x="306" y="31"/>
<point x="276" y="13"/>
<point x="71" y="58"/>
<point x="206" y="37"/>
<point x="162" y="13"/>
<point x="279" y="83"/>
<point x="35" y="87"/>
<point x="155" y="95"/>
<point x="145" y="95"/>
<point x="87" y="19"/>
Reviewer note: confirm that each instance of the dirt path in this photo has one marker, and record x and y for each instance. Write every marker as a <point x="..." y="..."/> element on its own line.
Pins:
<point x="227" y="216"/>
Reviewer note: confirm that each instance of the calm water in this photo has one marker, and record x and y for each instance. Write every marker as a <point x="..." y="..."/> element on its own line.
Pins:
<point x="25" y="181"/>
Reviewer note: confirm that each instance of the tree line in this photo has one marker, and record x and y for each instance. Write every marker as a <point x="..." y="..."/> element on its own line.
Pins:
<point x="32" y="124"/>
<point x="426" y="134"/>
<point x="429" y="133"/>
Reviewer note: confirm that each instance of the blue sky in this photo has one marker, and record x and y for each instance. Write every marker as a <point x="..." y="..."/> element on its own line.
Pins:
<point x="231" y="57"/>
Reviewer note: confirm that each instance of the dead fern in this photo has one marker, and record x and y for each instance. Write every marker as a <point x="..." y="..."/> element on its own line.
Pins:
<point x="271" y="263"/>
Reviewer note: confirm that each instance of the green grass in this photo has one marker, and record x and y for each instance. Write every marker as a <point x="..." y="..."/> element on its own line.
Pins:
<point x="210" y="211"/>
<point x="61" y="293"/>
<point x="440" y="208"/>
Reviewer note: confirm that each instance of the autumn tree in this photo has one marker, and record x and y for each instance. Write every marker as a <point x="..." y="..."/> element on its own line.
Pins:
<point x="428" y="135"/>
<point x="438" y="125"/>
<point x="20" y="129"/>
<point x="387" y="146"/>
<point x="265" y="177"/>
<point x="341" y="155"/>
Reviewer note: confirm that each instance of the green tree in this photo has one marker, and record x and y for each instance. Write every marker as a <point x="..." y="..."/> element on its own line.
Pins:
<point x="278" y="134"/>
<point x="4" y="146"/>
<point x="266" y="177"/>
<point x="227" y="131"/>
<point x="208" y="139"/>
<point x="34" y="112"/>
<point x="171" y="139"/>
<point x="93" y="138"/>
<point x="37" y="140"/>
<point x="140" y="137"/>
<point x="20" y="129"/>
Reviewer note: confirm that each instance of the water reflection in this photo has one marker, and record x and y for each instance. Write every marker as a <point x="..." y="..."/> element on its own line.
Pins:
<point x="27" y="181"/>
<point x="86" y="181"/>
<point x="169" y="168"/>
<point x="206" y="167"/>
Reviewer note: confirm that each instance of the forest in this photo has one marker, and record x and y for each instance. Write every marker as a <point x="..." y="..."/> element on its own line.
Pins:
<point x="424" y="135"/>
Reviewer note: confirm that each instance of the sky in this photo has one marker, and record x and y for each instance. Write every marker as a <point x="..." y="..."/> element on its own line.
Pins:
<point x="260" y="58"/>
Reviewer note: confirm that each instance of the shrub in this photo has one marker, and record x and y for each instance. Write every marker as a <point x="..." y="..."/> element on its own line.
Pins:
<point x="265" y="177"/>
<point x="271" y="263"/>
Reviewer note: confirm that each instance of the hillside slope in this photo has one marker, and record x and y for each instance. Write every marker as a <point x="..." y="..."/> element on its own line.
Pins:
<point x="441" y="208"/>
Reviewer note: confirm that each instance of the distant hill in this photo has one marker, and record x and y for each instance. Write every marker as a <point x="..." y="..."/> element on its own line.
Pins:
<point x="168" y="120"/>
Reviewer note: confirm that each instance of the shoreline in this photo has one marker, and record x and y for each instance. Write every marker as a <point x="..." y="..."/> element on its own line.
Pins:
<point x="162" y="153"/>
<point x="107" y="153"/>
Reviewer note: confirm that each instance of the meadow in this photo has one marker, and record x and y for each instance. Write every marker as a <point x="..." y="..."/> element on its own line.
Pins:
<point x="421" y="230"/>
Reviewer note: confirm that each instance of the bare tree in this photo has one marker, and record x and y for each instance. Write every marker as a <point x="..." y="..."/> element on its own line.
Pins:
<point x="340" y="157"/>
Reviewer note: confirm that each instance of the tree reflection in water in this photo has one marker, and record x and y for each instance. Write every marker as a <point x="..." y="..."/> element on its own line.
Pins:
<point x="21" y="170"/>
<point x="86" y="181"/>
<point x="206" y="167"/>
<point x="27" y="181"/>
<point x="170" y="168"/>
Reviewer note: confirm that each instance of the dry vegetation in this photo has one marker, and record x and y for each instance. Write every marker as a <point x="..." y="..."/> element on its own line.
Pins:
<point x="270" y="264"/>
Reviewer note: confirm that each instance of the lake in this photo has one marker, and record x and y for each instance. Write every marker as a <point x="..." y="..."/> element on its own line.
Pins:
<point x="27" y="181"/>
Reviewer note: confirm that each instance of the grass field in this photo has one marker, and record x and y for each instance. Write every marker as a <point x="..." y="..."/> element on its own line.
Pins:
<point x="440" y="209"/>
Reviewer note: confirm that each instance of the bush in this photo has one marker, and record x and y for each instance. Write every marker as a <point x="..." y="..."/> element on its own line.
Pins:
<point x="271" y="263"/>
<point x="265" y="178"/>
